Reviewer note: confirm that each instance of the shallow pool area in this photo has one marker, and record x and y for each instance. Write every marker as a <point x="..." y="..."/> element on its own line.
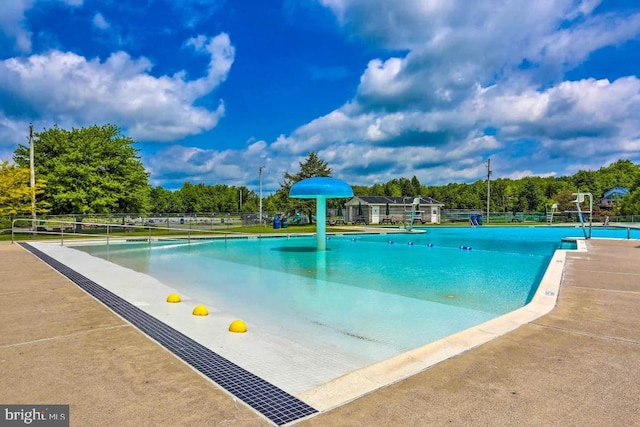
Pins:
<point x="367" y="298"/>
<point x="316" y="316"/>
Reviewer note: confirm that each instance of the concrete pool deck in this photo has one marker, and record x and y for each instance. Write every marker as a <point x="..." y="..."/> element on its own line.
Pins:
<point x="577" y="365"/>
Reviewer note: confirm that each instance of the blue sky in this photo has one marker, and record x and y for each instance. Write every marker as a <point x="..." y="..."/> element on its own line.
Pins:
<point x="214" y="89"/>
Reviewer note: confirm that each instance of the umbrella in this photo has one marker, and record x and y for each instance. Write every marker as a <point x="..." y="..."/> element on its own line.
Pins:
<point x="386" y="211"/>
<point x="339" y="210"/>
<point x="360" y="212"/>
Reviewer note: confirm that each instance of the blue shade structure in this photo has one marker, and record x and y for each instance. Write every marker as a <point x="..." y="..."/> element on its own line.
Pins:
<point x="321" y="188"/>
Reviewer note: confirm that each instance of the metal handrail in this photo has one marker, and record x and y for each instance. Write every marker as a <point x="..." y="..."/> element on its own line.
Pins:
<point x="61" y="227"/>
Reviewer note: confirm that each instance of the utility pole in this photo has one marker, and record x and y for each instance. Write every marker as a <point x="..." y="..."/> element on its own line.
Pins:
<point x="33" y="180"/>
<point x="488" y="186"/>
<point x="260" y="186"/>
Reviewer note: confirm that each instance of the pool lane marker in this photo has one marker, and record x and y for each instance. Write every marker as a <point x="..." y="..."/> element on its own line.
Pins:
<point x="274" y="403"/>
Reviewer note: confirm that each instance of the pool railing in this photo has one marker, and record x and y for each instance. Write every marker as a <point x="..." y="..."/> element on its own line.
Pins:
<point x="107" y="232"/>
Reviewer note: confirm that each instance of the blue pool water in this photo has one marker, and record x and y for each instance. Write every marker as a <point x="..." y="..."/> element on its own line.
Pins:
<point x="376" y="294"/>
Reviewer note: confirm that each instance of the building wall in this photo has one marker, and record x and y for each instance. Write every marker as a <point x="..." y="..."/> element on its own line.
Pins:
<point x="395" y="211"/>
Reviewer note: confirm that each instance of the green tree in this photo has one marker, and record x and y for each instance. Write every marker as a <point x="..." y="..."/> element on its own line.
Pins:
<point x="587" y="181"/>
<point x="565" y="200"/>
<point x="190" y="197"/>
<point x="407" y="189"/>
<point x="392" y="189"/>
<point x="313" y="166"/>
<point x="361" y="190"/>
<point x="630" y="204"/>
<point x="165" y="201"/>
<point x="268" y="204"/>
<point x="530" y="197"/>
<point x="525" y="194"/>
<point x="499" y="199"/>
<point x="376" y="190"/>
<point x="201" y="198"/>
<point x="622" y="173"/>
<point x="478" y="195"/>
<point x="249" y="199"/>
<point x="89" y="170"/>
<point x="416" y="186"/>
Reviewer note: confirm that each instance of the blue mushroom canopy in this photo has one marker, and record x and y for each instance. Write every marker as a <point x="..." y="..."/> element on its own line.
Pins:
<point x="320" y="186"/>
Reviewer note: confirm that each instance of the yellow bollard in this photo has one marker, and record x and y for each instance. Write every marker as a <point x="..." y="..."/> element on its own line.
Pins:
<point x="200" y="310"/>
<point x="173" y="298"/>
<point x="238" y="326"/>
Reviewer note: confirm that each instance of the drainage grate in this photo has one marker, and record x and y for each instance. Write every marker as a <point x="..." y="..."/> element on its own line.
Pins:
<point x="271" y="401"/>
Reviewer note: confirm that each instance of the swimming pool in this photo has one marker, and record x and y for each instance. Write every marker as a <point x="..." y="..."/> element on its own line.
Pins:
<point x="493" y="270"/>
<point x="315" y="316"/>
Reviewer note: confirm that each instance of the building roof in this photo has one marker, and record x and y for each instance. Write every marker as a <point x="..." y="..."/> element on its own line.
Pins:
<point x="621" y="191"/>
<point x="383" y="200"/>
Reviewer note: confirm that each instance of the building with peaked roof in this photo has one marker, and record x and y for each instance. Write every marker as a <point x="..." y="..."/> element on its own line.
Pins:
<point x="613" y="196"/>
<point x="373" y="210"/>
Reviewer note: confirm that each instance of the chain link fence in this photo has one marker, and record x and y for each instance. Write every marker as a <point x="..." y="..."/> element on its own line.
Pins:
<point x="228" y="220"/>
<point x="464" y="215"/>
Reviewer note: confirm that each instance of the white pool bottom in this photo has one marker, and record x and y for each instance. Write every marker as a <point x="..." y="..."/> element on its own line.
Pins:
<point x="314" y="366"/>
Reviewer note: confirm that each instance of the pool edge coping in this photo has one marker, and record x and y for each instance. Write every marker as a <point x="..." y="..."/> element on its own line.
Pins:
<point x="363" y="381"/>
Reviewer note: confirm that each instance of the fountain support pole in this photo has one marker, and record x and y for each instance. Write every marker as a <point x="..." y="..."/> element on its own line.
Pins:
<point x="321" y="223"/>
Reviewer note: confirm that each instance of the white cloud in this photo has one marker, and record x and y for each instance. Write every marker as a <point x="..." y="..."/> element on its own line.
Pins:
<point x="12" y="133"/>
<point x="573" y="112"/>
<point x="461" y="81"/>
<point x="100" y="22"/>
<point x="458" y="45"/>
<point x="585" y="117"/>
<point x="177" y="164"/>
<point x="12" y="21"/>
<point x="571" y="120"/>
<point x="335" y="127"/>
<point x="222" y="55"/>
<point x="568" y="47"/>
<point x="471" y="66"/>
<point x="72" y="90"/>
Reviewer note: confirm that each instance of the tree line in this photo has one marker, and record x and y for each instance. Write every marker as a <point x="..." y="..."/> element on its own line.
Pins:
<point x="530" y="194"/>
<point x="97" y="170"/>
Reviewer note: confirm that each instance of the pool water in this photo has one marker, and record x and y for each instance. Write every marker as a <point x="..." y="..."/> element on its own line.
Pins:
<point x="368" y="296"/>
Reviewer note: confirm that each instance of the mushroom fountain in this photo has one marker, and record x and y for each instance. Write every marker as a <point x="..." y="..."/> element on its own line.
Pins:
<point x="321" y="188"/>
